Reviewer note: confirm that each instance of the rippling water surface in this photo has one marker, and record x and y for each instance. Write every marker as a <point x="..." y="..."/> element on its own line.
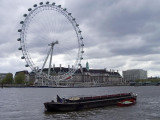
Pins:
<point x="27" y="104"/>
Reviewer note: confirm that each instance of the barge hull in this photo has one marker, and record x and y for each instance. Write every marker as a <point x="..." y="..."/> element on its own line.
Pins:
<point x="75" y="106"/>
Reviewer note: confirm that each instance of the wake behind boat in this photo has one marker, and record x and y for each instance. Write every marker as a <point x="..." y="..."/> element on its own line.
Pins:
<point x="80" y="103"/>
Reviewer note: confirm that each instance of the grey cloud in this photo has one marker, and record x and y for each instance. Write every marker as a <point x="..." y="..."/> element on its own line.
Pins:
<point x="116" y="33"/>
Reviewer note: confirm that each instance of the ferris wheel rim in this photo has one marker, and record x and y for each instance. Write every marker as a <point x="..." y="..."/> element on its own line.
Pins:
<point x="63" y="11"/>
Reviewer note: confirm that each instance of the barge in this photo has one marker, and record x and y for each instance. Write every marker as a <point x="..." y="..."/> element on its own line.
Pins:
<point x="81" y="103"/>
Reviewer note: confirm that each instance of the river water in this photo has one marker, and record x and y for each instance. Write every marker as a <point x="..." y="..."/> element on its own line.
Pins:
<point x="27" y="104"/>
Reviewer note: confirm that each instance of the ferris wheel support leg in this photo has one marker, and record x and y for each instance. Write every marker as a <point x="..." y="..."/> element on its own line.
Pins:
<point x="57" y="83"/>
<point x="51" y="51"/>
<point x="50" y="62"/>
<point x="42" y="82"/>
<point x="45" y="61"/>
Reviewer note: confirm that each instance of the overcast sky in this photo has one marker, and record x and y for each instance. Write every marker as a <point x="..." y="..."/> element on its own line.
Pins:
<point x="118" y="34"/>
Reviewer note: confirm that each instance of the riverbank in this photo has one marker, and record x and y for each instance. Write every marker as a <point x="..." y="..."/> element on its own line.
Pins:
<point x="32" y="86"/>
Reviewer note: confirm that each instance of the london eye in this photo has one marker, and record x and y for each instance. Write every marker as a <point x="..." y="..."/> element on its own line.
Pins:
<point x="50" y="35"/>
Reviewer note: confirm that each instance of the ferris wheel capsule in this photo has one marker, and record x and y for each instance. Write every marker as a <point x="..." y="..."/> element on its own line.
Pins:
<point x="47" y="2"/>
<point x="19" y="39"/>
<point x="41" y="3"/>
<point x="20" y="48"/>
<point x="79" y="31"/>
<point x="22" y="57"/>
<point x="35" y="5"/>
<point x="81" y="38"/>
<point x="82" y="51"/>
<point x="25" y="15"/>
<point x="29" y="9"/>
<point x="59" y="6"/>
<point x="20" y="30"/>
<point x="27" y="65"/>
<point x="21" y="22"/>
<point x="53" y="3"/>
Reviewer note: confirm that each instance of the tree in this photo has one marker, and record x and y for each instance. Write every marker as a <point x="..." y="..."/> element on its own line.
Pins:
<point x="20" y="78"/>
<point x="8" y="79"/>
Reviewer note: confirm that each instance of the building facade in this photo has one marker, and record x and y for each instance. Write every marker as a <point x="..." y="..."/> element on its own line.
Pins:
<point x="82" y="77"/>
<point x="88" y="77"/>
<point x="134" y="74"/>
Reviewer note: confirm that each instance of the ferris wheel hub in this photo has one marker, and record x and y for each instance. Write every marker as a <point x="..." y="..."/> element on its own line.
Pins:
<point x="53" y="43"/>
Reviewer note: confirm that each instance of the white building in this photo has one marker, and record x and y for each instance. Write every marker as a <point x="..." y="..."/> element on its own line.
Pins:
<point x="134" y="74"/>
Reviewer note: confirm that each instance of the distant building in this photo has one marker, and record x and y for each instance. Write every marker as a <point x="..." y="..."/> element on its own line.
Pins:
<point x="26" y="73"/>
<point x="85" y="75"/>
<point x="32" y="77"/>
<point x="92" y="76"/>
<point x="134" y="74"/>
<point x="2" y="76"/>
<point x="98" y="76"/>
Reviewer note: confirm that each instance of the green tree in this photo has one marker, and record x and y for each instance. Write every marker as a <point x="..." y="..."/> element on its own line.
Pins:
<point x="20" y="78"/>
<point x="8" y="79"/>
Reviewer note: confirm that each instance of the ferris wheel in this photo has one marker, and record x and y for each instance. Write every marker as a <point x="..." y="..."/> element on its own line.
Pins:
<point x="50" y="30"/>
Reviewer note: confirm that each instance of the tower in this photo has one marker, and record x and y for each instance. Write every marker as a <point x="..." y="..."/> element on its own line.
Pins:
<point x="87" y="66"/>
